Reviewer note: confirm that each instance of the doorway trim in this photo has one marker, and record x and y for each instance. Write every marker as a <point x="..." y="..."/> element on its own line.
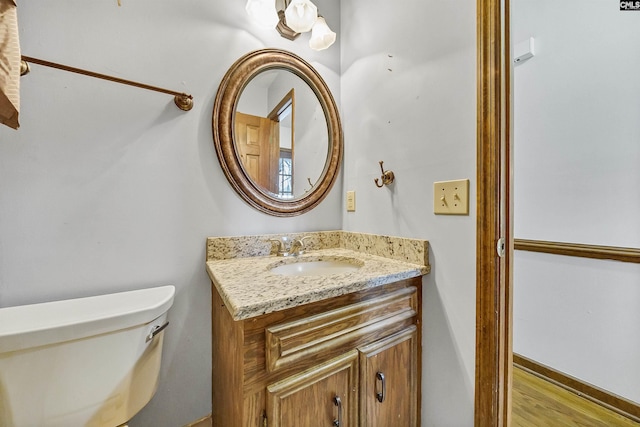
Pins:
<point x="494" y="217"/>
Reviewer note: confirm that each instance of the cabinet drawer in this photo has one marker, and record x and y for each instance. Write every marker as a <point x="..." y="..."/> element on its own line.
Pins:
<point x="339" y="330"/>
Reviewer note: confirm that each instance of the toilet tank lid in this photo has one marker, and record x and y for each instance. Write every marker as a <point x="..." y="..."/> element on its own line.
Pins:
<point x="46" y="323"/>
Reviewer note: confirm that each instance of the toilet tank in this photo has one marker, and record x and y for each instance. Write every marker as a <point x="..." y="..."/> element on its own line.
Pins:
<point x="81" y="362"/>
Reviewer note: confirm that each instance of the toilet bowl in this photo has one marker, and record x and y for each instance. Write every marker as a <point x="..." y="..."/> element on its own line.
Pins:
<point x="90" y="362"/>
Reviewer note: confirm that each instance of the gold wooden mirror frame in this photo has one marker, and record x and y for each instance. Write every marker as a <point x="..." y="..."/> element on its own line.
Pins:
<point x="231" y="87"/>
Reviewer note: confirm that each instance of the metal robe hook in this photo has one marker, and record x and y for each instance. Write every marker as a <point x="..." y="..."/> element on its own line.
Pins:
<point x="387" y="177"/>
<point x="310" y="185"/>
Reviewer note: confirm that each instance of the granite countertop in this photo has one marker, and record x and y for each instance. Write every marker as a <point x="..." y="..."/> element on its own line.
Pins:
<point x="249" y="288"/>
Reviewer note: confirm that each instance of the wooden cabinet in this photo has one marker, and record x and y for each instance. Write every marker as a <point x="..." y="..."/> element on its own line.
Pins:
<point x="324" y="395"/>
<point x="389" y="381"/>
<point x="349" y="361"/>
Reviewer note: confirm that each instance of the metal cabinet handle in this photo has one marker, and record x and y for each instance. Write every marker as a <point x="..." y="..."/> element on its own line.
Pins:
<point x="380" y="396"/>
<point x="338" y="403"/>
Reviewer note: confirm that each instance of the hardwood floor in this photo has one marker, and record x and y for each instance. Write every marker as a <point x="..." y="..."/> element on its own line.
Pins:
<point x="539" y="403"/>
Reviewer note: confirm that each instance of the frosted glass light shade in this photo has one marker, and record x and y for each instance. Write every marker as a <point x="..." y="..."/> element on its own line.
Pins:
<point x="321" y="35"/>
<point x="301" y="15"/>
<point x="263" y="12"/>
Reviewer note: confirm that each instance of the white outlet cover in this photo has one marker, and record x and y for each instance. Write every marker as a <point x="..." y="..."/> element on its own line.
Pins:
<point x="351" y="201"/>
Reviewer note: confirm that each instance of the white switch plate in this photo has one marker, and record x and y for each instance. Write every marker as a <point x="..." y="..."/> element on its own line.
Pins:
<point x="351" y="201"/>
<point x="451" y="197"/>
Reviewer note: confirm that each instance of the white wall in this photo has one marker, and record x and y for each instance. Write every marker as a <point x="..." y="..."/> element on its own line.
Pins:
<point x="409" y="99"/>
<point x="107" y="188"/>
<point x="580" y="317"/>
<point x="576" y="123"/>
<point x="577" y="151"/>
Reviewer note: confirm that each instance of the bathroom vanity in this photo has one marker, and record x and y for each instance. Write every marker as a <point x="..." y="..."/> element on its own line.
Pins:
<point x="314" y="348"/>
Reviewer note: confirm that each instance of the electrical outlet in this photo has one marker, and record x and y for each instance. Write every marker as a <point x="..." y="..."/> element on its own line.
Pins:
<point x="351" y="201"/>
<point x="451" y="197"/>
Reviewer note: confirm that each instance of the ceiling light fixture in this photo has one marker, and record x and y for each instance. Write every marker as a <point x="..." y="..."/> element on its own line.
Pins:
<point x="292" y="17"/>
<point x="321" y="35"/>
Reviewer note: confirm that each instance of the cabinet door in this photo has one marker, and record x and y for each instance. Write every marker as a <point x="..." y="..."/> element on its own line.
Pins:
<point x="388" y="378"/>
<point x="323" y="396"/>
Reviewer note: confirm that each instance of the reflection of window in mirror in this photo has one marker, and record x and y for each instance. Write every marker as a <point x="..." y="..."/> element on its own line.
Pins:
<point x="285" y="174"/>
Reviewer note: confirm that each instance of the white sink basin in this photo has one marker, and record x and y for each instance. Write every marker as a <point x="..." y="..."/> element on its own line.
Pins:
<point x="316" y="267"/>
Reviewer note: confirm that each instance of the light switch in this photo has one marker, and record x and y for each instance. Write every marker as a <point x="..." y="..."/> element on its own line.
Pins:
<point x="351" y="201"/>
<point x="451" y="197"/>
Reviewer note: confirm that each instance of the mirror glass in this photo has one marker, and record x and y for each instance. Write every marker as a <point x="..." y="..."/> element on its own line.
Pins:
<point x="280" y="133"/>
<point x="277" y="132"/>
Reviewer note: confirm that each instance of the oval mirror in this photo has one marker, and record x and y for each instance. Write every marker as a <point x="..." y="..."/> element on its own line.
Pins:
<point x="277" y="132"/>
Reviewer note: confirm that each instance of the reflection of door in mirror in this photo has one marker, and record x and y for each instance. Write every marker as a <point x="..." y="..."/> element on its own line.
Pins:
<point x="265" y="146"/>
<point x="254" y="136"/>
<point x="284" y="115"/>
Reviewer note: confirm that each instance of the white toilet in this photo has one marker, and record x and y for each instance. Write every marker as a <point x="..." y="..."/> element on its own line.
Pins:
<point x="83" y="362"/>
